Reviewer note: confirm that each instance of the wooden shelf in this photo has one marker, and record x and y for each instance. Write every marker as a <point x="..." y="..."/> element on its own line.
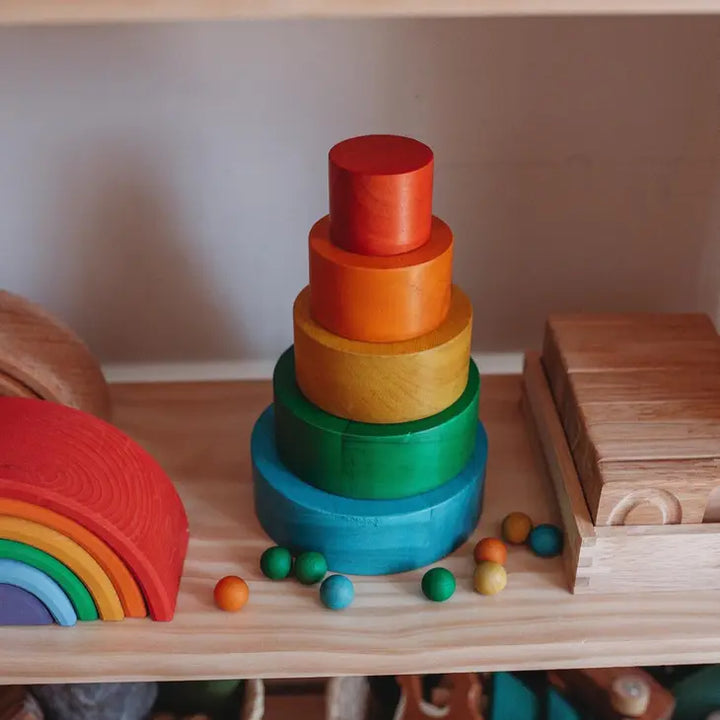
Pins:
<point x="93" y="11"/>
<point x="200" y="433"/>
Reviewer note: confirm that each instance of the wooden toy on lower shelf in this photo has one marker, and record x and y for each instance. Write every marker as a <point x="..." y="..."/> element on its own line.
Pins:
<point x="616" y="693"/>
<point x="662" y="553"/>
<point x="86" y="512"/>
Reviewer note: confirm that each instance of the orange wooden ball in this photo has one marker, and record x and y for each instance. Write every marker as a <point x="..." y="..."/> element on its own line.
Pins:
<point x="490" y="549"/>
<point x="516" y="527"/>
<point x="231" y="593"/>
<point x="380" y="194"/>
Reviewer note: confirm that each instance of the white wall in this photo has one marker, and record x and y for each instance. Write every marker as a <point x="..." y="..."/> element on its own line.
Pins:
<point x="157" y="182"/>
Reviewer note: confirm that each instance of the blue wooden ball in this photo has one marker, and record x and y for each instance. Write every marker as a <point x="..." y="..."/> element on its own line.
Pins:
<point x="336" y="592"/>
<point x="546" y="540"/>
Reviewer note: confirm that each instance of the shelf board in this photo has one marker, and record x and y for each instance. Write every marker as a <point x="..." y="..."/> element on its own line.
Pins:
<point x="94" y="11"/>
<point x="200" y="434"/>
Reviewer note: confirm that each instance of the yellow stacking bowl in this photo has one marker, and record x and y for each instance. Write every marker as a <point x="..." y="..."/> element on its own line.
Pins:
<point x="383" y="382"/>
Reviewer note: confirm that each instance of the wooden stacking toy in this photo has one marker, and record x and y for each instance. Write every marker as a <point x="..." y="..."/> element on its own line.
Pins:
<point x="627" y="410"/>
<point x="372" y="453"/>
<point x="90" y="525"/>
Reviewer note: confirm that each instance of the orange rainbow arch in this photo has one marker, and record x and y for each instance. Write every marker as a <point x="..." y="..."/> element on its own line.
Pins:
<point x="82" y="491"/>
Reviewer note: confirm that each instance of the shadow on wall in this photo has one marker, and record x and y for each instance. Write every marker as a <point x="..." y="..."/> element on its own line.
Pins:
<point x="159" y="182"/>
<point x="137" y="280"/>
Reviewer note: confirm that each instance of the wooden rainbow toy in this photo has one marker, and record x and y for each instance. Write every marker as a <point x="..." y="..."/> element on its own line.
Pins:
<point x="90" y="525"/>
<point x="372" y="453"/>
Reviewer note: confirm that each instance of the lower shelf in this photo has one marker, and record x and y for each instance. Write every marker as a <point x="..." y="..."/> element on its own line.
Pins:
<point x="200" y="434"/>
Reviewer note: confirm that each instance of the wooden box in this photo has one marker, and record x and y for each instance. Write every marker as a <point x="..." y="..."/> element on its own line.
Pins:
<point x="638" y="395"/>
<point x="616" y="558"/>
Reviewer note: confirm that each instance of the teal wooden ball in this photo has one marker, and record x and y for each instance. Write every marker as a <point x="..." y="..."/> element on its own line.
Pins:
<point x="438" y="584"/>
<point x="546" y="540"/>
<point x="337" y="592"/>
<point x="310" y="567"/>
<point x="276" y="563"/>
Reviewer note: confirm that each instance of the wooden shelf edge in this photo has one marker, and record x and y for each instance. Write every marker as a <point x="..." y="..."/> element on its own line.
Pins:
<point x="50" y="12"/>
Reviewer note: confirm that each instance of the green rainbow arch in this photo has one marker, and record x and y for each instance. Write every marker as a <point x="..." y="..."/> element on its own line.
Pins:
<point x="42" y="586"/>
<point x="72" y="586"/>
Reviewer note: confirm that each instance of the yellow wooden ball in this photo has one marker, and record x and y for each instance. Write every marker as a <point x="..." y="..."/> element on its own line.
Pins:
<point x="490" y="578"/>
<point x="516" y="527"/>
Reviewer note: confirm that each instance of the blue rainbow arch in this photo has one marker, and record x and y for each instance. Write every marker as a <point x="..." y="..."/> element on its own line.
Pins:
<point x="42" y="586"/>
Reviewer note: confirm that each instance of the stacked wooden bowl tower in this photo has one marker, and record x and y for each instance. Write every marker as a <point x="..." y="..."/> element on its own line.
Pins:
<point x="372" y="452"/>
<point x="90" y="525"/>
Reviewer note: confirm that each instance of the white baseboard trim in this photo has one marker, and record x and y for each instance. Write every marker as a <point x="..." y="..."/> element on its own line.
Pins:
<point x="488" y="363"/>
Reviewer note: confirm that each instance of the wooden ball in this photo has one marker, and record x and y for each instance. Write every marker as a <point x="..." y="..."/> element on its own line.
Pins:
<point x="546" y="540"/>
<point x="231" y="593"/>
<point x="438" y="584"/>
<point x="490" y="549"/>
<point x="490" y="578"/>
<point x="380" y="194"/>
<point x="337" y="592"/>
<point x="310" y="567"/>
<point x="276" y="563"/>
<point x="516" y="527"/>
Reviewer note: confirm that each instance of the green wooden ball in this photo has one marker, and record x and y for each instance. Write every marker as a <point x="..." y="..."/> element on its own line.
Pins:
<point x="438" y="584"/>
<point x="276" y="563"/>
<point x="310" y="567"/>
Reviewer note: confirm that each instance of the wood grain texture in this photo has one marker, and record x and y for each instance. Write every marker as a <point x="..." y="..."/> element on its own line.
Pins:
<point x="19" y="607"/>
<point x="380" y="299"/>
<point x="639" y="398"/>
<point x="200" y="433"/>
<point x="364" y="537"/>
<point x="43" y="355"/>
<point x="383" y="382"/>
<point x="119" y="574"/>
<point x="380" y="189"/>
<point x="69" y="553"/>
<point x="23" y="12"/>
<point x="80" y="466"/>
<point x="70" y="583"/>
<point x="43" y="587"/>
<point x="616" y="559"/>
<point x="10" y="387"/>
<point x="363" y="460"/>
